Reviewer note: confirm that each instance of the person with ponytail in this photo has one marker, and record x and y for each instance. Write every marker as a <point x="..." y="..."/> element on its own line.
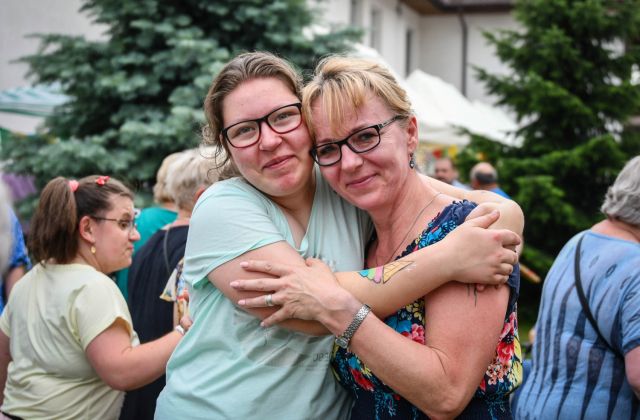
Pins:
<point x="67" y="344"/>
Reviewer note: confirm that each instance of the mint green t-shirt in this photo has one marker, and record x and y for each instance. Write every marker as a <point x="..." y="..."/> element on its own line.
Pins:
<point x="227" y="366"/>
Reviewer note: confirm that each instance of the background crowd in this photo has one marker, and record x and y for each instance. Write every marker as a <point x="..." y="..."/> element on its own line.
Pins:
<point x="68" y="327"/>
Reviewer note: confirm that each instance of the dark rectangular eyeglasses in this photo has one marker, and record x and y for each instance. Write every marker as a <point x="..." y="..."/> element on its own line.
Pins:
<point x="361" y="141"/>
<point x="247" y="133"/>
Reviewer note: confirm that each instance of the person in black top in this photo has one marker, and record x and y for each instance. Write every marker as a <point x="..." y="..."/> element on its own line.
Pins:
<point x="152" y="266"/>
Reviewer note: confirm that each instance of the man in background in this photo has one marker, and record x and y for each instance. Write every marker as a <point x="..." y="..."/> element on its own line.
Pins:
<point x="485" y="177"/>
<point x="446" y="171"/>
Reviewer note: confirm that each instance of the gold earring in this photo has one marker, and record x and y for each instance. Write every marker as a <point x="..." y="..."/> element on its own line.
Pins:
<point x="93" y="250"/>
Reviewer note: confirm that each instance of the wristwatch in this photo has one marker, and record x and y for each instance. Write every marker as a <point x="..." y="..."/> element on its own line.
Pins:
<point x="343" y="340"/>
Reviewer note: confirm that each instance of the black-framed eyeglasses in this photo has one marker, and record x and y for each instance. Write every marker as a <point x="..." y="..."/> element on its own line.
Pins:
<point x="360" y="141"/>
<point x="124" y="224"/>
<point x="247" y="133"/>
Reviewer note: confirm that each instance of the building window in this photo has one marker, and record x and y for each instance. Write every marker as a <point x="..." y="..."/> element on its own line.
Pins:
<point x="408" y="53"/>
<point x="376" y="29"/>
<point x="355" y="17"/>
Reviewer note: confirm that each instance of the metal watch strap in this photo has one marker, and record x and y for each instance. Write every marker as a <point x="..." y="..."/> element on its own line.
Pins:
<point x="344" y="339"/>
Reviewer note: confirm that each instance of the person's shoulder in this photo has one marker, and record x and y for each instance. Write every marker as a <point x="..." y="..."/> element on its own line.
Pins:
<point x="153" y="212"/>
<point x="457" y="211"/>
<point x="229" y="193"/>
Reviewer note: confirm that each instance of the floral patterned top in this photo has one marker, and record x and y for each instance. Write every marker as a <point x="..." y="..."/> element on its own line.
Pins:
<point x="375" y="400"/>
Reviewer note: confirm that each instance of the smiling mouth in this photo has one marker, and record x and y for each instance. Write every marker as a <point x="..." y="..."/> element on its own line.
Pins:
<point x="276" y="162"/>
<point x="360" y="181"/>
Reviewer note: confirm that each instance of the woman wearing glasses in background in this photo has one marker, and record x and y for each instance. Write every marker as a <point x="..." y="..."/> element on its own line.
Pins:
<point x="67" y="345"/>
<point x="282" y="210"/>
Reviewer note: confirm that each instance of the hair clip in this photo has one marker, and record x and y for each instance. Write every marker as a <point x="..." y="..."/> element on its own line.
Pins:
<point x="102" y="179"/>
<point x="73" y="184"/>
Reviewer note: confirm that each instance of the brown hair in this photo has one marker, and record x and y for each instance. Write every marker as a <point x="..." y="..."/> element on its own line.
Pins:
<point x="344" y="83"/>
<point x="244" y="67"/>
<point x="54" y="227"/>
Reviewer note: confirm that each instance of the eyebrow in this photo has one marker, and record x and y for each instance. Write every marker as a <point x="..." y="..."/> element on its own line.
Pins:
<point x="353" y="131"/>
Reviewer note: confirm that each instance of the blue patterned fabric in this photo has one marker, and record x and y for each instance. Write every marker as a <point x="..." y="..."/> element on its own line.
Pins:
<point x="574" y="374"/>
<point x="375" y="400"/>
<point x="19" y="255"/>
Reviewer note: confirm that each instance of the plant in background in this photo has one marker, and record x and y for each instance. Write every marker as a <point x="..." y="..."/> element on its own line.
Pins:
<point x="571" y="87"/>
<point x="137" y="96"/>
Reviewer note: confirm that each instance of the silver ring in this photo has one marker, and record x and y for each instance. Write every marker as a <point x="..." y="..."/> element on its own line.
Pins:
<point x="268" y="300"/>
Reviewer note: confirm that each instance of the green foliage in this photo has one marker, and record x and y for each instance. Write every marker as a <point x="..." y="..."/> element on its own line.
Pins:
<point x="137" y="96"/>
<point x="571" y="89"/>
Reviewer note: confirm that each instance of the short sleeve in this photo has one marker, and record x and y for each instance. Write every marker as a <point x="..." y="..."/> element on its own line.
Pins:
<point x="5" y="325"/>
<point x="230" y="219"/>
<point x="96" y="306"/>
<point x="630" y="310"/>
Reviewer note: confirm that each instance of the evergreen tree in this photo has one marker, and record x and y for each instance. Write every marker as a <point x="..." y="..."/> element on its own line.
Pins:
<point x="137" y="96"/>
<point x="571" y="88"/>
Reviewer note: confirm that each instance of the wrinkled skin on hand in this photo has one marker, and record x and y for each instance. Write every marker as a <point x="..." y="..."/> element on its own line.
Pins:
<point x="303" y="292"/>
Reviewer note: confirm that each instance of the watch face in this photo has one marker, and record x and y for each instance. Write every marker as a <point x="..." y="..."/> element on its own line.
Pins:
<point x="342" y="342"/>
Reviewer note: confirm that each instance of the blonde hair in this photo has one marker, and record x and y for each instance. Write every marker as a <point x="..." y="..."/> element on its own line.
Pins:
<point x="160" y="194"/>
<point x="190" y="171"/>
<point x="344" y="83"/>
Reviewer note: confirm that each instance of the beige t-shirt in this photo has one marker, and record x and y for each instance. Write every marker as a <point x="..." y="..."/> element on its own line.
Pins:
<point x="52" y="315"/>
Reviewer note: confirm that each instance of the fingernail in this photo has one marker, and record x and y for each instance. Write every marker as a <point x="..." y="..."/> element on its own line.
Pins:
<point x="233" y="284"/>
<point x="241" y="302"/>
<point x="244" y="264"/>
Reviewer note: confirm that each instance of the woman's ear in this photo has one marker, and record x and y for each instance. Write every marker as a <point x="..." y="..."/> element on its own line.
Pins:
<point x="86" y="229"/>
<point x="412" y="131"/>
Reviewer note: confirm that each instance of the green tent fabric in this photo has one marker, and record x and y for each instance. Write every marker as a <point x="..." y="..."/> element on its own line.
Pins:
<point x="37" y="101"/>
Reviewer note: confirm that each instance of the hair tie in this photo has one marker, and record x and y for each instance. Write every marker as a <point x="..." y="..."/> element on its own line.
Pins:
<point x="73" y="184"/>
<point x="102" y="179"/>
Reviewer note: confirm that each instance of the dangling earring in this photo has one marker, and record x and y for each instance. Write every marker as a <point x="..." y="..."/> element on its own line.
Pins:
<point x="93" y="250"/>
<point x="412" y="161"/>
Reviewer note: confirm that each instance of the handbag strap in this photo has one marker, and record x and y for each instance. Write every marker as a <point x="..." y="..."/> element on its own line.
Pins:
<point x="585" y="304"/>
<point x="165" y="252"/>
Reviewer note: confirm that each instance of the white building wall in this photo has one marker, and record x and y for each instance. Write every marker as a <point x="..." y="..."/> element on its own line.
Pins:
<point x="436" y="49"/>
<point x="395" y="18"/>
<point x="19" y="18"/>
<point x="441" y="43"/>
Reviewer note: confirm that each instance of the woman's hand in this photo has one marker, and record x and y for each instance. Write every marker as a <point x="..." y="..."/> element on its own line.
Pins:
<point x="311" y="292"/>
<point x="484" y="256"/>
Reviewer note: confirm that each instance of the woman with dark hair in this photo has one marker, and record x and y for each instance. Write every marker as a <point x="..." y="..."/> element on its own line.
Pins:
<point x="67" y="344"/>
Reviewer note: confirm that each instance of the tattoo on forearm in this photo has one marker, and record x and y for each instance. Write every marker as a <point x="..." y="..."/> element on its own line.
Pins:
<point x="381" y="275"/>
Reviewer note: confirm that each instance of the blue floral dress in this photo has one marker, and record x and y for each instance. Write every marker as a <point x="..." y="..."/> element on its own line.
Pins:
<point x="375" y="400"/>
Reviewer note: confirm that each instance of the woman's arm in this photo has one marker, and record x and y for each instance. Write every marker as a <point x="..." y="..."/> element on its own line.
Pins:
<point x="470" y="253"/>
<point x="5" y="359"/>
<point x="511" y="216"/>
<point x="632" y="367"/>
<point x="124" y="367"/>
<point x="461" y="337"/>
